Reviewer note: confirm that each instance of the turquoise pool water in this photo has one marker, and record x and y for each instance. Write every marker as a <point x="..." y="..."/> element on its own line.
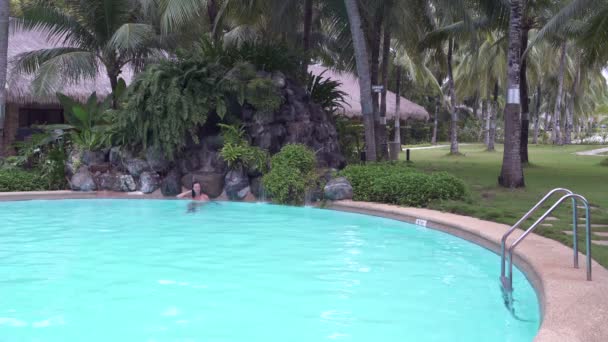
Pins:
<point x="147" y="271"/>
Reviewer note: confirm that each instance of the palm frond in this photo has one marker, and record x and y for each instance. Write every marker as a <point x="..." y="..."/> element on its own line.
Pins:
<point x="131" y="37"/>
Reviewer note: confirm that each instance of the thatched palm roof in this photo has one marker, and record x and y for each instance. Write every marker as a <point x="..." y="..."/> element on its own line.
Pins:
<point x="350" y="85"/>
<point x="19" y="88"/>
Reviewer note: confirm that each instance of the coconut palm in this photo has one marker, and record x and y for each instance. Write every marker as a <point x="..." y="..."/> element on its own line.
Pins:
<point x="105" y="33"/>
<point x="511" y="174"/>
<point x="481" y="71"/>
<point x="365" y="84"/>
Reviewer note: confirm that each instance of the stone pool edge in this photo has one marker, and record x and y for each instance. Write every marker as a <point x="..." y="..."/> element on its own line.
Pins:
<point x="572" y="309"/>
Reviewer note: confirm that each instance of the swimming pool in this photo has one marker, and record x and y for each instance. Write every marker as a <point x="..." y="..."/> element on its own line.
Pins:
<point x="137" y="270"/>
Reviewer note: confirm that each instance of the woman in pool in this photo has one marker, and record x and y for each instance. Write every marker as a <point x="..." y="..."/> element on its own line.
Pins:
<point x="196" y="193"/>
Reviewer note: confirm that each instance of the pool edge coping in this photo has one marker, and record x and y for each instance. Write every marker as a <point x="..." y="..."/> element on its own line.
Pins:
<point x="572" y="309"/>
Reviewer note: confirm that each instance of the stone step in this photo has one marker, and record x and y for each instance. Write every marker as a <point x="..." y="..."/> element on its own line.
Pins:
<point x="567" y="232"/>
<point x="602" y="234"/>
<point x="583" y="207"/>
<point x="600" y="242"/>
<point x="546" y="225"/>
<point x="599" y="225"/>
<point x="551" y="218"/>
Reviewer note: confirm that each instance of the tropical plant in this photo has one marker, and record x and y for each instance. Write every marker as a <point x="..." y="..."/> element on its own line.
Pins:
<point x="326" y="92"/>
<point x="291" y="175"/>
<point x="88" y="123"/>
<point x="108" y="33"/>
<point x="238" y="153"/>
<point x="169" y="102"/>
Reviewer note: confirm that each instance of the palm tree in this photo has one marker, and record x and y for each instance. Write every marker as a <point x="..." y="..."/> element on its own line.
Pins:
<point x="93" y="34"/>
<point x="4" y="17"/>
<point x="363" y="70"/>
<point x="511" y="174"/>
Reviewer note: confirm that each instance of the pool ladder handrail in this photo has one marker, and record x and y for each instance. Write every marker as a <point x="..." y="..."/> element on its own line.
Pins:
<point x="507" y="279"/>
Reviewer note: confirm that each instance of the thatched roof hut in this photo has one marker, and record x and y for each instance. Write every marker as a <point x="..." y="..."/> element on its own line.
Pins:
<point x="350" y="85"/>
<point x="19" y="88"/>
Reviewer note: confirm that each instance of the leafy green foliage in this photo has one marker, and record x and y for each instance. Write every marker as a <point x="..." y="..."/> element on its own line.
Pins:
<point x="397" y="183"/>
<point x="350" y="137"/>
<point x="265" y="56"/>
<point x="237" y="152"/>
<point x="88" y="123"/>
<point x="168" y="103"/>
<point x="263" y="95"/>
<point x="44" y="155"/>
<point x="292" y="174"/>
<point x="326" y="92"/>
<point x="14" y="179"/>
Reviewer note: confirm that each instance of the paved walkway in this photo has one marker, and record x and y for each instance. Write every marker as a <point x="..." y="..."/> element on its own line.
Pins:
<point x="597" y="151"/>
<point x="429" y="147"/>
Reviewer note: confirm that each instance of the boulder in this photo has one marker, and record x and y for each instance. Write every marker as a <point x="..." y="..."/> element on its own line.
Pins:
<point x="127" y="183"/>
<point x="101" y="168"/>
<point x="171" y="184"/>
<point x="279" y="80"/>
<point x="115" y="157"/>
<point x="242" y="194"/>
<point x="236" y="181"/>
<point x="338" y="189"/>
<point x="93" y="157"/>
<point x="257" y="188"/>
<point x="212" y="183"/>
<point x="73" y="162"/>
<point x="109" y="181"/>
<point x="136" y="166"/>
<point x="83" y="180"/>
<point x="149" y="182"/>
<point x="157" y="160"/>
<point x="190" y="162"/>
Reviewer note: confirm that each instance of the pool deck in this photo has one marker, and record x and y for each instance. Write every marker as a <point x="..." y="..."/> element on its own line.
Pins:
<point x="573" y="309"/>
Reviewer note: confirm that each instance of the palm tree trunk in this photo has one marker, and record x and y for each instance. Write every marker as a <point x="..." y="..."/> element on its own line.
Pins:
<point x="486" y="117"/>
<point x="557" y="112"/>
<point x="435" y="122"/>
<point x="537" y="115"/>
<point x="523" y="93"/>
<point x="398" y="107"/>
<point x="512" y="175"/>
<point x="365" y="84"/>
<point x="375" y="36"/>
<point x="452" y="94"/>
<point x="4" y="17"/>
<point x="382" y="137"/>
<point x="306" y="41"/>
<point x="493" y="109"/>
<point x="212" y="14"/>
<point x="570" y="107"/>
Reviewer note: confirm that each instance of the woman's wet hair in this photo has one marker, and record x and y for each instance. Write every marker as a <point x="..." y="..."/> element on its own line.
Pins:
<point x="194" y="193"/>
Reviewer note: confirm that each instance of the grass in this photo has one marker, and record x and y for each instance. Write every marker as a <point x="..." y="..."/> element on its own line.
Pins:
<point x="550" y="167"/>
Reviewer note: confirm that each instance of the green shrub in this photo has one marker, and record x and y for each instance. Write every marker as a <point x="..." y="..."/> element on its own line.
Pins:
<point x="14" y="179"/>
<point x="291" y="174"/>
<point x="397" y="183"/>
<point x="296" y="156"/>
<point x="237" y="152"/>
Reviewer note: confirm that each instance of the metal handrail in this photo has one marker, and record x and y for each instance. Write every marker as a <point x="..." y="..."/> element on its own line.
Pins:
<point x="503" y="241"/>
<point x="575" y="197"/>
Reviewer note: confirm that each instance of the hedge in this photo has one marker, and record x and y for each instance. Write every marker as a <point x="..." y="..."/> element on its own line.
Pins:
<point x="397" y="183"/>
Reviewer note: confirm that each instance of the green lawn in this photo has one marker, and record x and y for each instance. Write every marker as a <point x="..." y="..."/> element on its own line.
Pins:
<point x="550" y="167"/>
